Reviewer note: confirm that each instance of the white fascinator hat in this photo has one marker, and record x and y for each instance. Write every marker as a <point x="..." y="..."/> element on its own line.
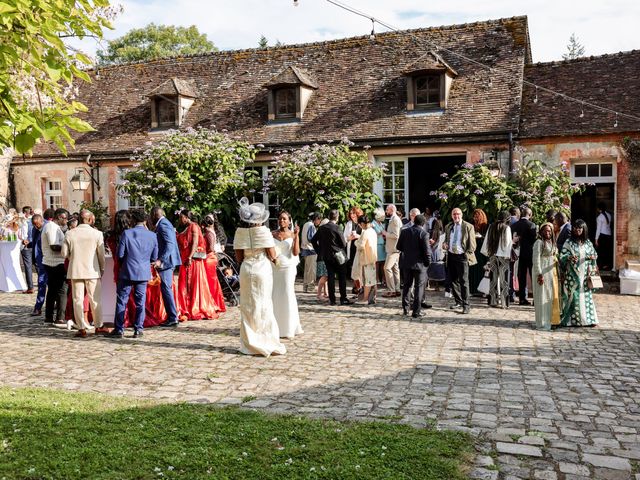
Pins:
<point x="255" y="213"/>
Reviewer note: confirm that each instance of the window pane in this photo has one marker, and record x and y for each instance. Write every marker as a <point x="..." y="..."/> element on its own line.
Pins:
<point x="387" y="182"/>
<point x="428" y="89"/>
<point x="166" y="113"/>
<point x="593" y="170"/>
<point x="606" y="169"/>
<point x="387" y="197"/>
<point x="285" y="102"/>
<point x="399" y="182"/>
<point x="399" y="168"/>
<point x="581" y="170"/>
<point x="399" y="198"/>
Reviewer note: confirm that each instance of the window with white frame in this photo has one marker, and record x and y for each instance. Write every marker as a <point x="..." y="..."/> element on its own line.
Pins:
<point x="269" y="197"/>
<point x="593" y="171"/>
<point x="124" y="200"/>
<point x="53" y="193"/>
<point x="393" y="184"/>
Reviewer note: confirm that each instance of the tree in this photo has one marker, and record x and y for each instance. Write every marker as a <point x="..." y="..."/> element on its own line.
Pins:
<point x="319" y="178"/>
<point x="155" y="41"/>
<point x="263" y="42"/>
<point x="37" y="69"/>
<point x="199" y="169"/>
<point x="574" y="49"/>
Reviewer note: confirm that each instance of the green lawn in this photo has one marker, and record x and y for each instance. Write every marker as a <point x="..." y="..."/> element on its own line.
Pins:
<point x="48" y="434"/>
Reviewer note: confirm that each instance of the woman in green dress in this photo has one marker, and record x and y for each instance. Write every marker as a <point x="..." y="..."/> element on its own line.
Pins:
<point x="546" y="289"/>
<point x="578" y="261"/>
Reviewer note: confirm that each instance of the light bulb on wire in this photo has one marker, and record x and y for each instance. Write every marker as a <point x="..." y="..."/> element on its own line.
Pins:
<point x="535" y="100"/>
<point x="295" y="3"/>
<point x="615" y="125"/>
<point x="582" y="111"/>
<point x="372" y="36"/>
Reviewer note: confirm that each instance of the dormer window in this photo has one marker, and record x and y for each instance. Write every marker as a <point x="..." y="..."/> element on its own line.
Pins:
<point x="167" y="112"/>
<point x="289" y="93"/>
<point x="429" y="81"/>
<point x="170" y="103"/>
<point x="285" y="102"/>
<point x="427" y="91"/>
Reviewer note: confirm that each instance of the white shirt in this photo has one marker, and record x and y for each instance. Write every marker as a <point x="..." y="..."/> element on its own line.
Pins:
<point x="504" y="246"/>
<point x="456" y="239"/>
<point x="308" y="230"/>
<point x="51" y="235"/>
<point x="603" y="227"/>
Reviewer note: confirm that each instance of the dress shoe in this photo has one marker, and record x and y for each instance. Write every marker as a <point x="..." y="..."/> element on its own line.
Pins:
<point x="102" y="331"/>
<point x="137" y="334"/>
<point x="405" y="312"/>
<point x="389" y="294"/>
<point x="346" y="302"/>
<point x="426" y="305"/>
<point x="466" y="310"/>
<point x="418" y="315"/>
<point x="172" y="324"/>
<point x="115" y="334"/>
<point x="36" y="313"/>
<point x="333" y="304"/>
<point x="48" y="321"/>
<point x="524" y="302"/>
<point x="455" y="306"/>
<point x="81" y="334"/>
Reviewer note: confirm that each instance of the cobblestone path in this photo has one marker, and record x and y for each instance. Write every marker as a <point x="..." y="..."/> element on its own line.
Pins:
<point x="543" y="405"/>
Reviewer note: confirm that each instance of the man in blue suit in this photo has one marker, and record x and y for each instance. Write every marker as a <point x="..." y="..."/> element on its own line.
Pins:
<point x="137" y="250"/>
<point x="168" y="260"/>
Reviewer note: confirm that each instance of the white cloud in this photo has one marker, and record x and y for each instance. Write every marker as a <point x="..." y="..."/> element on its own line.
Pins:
<point x="602" y="27"/>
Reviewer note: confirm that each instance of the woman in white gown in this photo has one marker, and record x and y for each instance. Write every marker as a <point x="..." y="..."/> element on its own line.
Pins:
<point x="255" y="250"/>
<point x="285" y="305"/>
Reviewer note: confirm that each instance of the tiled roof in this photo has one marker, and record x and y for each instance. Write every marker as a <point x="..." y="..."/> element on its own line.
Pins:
<point x="291" y="75"/>
<point x="361" y="90"/>
<point x="429" y="61"/>
<point x="611" y="81"/>
<point x="175" y="86"/>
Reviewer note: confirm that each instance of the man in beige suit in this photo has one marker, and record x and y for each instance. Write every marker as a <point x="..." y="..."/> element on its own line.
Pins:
<point x="84" y="247"/>
<point x="391" y="267"/>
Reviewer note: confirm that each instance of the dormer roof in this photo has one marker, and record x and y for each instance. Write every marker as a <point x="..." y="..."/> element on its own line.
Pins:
<point x="174" y="86"/>
<point x="429" y="62"/>
<point x="291" y="76"/>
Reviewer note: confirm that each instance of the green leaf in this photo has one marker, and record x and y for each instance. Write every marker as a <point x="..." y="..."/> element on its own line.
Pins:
<point x="78" y="125"/>
<point x="5" y="8"/>
<point x="24" y="142"/>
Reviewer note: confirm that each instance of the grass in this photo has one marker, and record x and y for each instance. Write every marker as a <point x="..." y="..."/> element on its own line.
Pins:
<point x="48" y="434"/>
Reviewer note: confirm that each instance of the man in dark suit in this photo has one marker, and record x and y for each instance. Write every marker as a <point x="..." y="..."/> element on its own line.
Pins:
<point x="415" y="258"/>
<point x="460" y="244"/>
<point x="526" y="232"/>
<point x="137" y="250"/>
<point x="168" y="260"/>
<point x="561" y="222"/>
<point x="329" y="241"/>
<point x="38" y="222"/>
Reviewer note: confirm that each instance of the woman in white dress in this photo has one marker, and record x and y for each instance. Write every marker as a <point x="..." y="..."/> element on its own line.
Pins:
<point x="285" y="305"/>
<point x="255" y="251"/>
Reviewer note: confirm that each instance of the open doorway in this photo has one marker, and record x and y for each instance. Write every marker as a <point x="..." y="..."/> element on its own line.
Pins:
<point x="584" y="205"/>
<point x="425" y="177"/>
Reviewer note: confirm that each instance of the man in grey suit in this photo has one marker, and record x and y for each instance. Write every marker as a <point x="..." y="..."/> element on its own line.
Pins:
<point x="391" y="264"/>
<point x="460" y="244"/>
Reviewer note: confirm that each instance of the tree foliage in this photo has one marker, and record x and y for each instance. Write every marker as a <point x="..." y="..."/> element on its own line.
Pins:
<point x="532" y="184"/>
<point x="574" y="48"/>
<point x="199" y="169"/>
<point x="37" y="69"/>
<point x="319" y="178"/>
<point x="155" y="41"/>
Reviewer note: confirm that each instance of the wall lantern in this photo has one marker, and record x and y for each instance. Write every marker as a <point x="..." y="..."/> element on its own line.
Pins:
<point x="82" y="179"/>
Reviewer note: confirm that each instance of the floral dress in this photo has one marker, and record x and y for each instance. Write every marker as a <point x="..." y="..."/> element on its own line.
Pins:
<point x="578" y="308"/>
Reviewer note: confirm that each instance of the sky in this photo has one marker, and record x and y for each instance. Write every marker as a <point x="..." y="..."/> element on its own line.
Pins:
<point x="601" y="26"/>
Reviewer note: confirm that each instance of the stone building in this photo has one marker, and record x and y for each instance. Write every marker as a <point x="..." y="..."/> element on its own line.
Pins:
<point x="410" y="95"/>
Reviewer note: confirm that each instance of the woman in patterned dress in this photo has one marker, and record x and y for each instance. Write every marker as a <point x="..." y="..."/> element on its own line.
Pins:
<point x="497" y="247"/>
<point x="578" y="261"/>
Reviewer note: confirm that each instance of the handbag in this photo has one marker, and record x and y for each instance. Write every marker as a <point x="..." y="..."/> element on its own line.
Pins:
<point x="594" y="281"/>
<point x="199" y="256"/>
<point x="436" y="271"/>
<point x="340" y="257"/>
<point x="485" y="284"/>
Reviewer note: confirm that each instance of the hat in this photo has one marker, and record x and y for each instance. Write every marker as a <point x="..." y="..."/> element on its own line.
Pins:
<point x="256" y="213"/>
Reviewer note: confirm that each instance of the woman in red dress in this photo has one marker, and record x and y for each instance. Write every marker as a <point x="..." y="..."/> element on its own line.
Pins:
<point x="194" y="299"/>
<point x="211" y="262"/>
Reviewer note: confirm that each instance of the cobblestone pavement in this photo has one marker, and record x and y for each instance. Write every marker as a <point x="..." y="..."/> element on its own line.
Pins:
<point x="543" y="405"/>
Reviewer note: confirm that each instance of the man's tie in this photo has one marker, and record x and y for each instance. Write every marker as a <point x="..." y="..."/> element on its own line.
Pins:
<point x="455" y="237"/>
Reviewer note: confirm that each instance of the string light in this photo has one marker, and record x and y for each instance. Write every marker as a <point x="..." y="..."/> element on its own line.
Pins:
<point x="615" y="125"/>
<point x="582" y="111"/>
<point x="372" y="37"/>
<point x="295" y="3"/>
<point x="535" y="100"/>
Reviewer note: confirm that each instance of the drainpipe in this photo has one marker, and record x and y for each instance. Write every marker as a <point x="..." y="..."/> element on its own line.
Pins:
<point x="510" y="153"/>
